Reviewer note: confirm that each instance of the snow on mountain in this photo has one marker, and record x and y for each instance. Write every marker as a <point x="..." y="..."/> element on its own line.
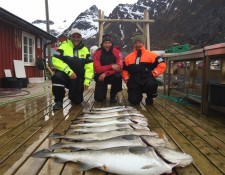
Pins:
<point x="56" y="28"/>
<point x="198" y="23"/>
<point x="85" y="23"/>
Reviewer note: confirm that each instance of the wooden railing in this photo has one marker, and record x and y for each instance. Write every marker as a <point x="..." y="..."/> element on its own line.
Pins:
<point x="194" y="73"/>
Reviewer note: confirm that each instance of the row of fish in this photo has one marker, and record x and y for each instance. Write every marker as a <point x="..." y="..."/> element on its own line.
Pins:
<point x="116" y="140"/>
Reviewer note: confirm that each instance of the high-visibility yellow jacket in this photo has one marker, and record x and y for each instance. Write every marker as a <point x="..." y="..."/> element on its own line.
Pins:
<point x="67" y="51"/>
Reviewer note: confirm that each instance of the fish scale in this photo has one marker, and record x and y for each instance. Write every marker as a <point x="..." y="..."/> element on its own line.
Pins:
<point x="119" y="160"/>
<point x="104" y="135"/>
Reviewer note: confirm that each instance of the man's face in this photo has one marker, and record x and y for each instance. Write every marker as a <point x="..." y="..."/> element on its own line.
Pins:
<point x="107" y="45"/>
<point x="138" y="44"/>
<point x="75" y="38"/>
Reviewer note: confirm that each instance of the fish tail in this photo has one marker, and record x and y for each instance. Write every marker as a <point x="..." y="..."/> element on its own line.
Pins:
<point x="42" y="153"/>
<point x="56" y="146"/>
<point x="54" y="136"/>
<point x="83" y="120"/>
<point x="75" y="126"/>
<point x="60" y="160"/>
<point x="71" y="130"/>
<point x="77" y="119"/>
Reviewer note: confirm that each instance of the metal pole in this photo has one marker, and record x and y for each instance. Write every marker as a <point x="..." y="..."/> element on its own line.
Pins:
<point x="47" y="16"/>
<point x="48" y="30"/>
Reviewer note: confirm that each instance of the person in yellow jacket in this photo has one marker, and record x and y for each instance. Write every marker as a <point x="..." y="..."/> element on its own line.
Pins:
<point x="74" y="69"/>
<point x="141" y="67"/>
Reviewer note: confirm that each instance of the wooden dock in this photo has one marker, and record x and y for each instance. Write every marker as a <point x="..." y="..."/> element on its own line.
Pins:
<point x="26" y="123"/>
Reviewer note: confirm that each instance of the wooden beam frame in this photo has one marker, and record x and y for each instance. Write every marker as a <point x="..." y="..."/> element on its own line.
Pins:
<point x="145" y="30"/>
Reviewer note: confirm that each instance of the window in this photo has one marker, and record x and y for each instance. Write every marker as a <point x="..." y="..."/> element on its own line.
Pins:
<point x="28" y="43"/>
<point x="215" y="64"/>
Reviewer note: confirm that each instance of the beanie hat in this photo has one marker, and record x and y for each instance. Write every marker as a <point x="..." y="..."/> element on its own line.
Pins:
<point x="106" y="37"/>
<point x="138" y="37"/>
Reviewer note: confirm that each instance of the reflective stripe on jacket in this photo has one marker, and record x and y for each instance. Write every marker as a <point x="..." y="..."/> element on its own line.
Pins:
<point x="66" y="49"/>
<point x="148" y="63"/>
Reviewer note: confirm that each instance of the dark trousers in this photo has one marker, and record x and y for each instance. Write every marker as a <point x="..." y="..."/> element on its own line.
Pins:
<point x="101" y="87"/>
<point x="60" y="81"/>
<point x="141" y="84"/>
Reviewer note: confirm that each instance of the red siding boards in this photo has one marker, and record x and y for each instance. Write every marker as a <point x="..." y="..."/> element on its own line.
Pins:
<point x="8" y="50"/>
<point x="11" y="28"/>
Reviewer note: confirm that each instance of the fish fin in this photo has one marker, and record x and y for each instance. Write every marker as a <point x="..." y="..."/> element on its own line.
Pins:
<point x="139" y="149"/>
<point x="56" y="146"/>
<point x="172" y="165"/>
<point x="129" y="137"/>
<point x="123" y="118"/>
<point x="76" y="121"/>
<point x="60" y="160"/>
<point x="75" y="149"/>
<point x="44" y="153"/>
<point x="79" y="121"/>
<point x="71" y="130"/>
<point x="84" y="166"/>
<point x="135" y="122"/>
<point x="121" y="129"/>
<point x="70" y="140"/>
<point x="148" y="166"/>
<point x="54" y="135"/>
<point x="85" y="132"/>
<point x="121" y="125"/>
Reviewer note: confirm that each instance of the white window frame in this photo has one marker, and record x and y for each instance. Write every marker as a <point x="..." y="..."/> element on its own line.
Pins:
<point x="30" y="51"/>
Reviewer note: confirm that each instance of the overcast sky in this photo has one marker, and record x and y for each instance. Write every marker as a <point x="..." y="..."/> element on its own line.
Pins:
<point x="59" y="10"/>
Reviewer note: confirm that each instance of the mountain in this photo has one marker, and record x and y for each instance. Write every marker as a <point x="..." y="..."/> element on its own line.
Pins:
<point x="56" y="28"/>
<point x="85" y="23"/>
<point x="197" y="22"/>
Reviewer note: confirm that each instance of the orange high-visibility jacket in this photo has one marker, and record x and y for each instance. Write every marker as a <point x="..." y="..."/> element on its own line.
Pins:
<point x="149" y="63"/>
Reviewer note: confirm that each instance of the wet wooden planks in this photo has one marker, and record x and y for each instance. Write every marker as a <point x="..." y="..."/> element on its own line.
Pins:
<point x="26" y="125"/>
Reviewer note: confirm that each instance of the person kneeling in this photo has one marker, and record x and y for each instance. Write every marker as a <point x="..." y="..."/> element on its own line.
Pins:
<point x="141" y="67"/>
<point x="108" y="65"/>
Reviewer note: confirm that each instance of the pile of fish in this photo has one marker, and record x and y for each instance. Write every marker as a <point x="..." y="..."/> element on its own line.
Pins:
<point x="116" y="140"/>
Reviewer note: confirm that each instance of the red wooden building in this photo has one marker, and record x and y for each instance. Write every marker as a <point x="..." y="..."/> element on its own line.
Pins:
<point x="20" y="40"/>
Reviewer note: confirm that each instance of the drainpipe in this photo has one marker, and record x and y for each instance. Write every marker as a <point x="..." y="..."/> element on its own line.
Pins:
<point x="47" y="63"/>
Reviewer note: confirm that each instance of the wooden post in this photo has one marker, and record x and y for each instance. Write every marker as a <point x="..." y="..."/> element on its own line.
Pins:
<point x="192" y="72"/>
<point x="144" y="30"/>
<point x="164" y="78"/>
<point x="101" y="16"/>
<point x="169" y="77"/>
<point x="147" y="30"/>
<point x="145" y="22"/>
<point x="222" y="71"/>
<point x="205" y="80"/>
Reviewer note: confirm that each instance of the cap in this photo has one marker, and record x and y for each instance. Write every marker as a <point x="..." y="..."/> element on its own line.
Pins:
<point x="138" y="37"/>
<point x="75" y="30"/>
<point x="106" y="37"/>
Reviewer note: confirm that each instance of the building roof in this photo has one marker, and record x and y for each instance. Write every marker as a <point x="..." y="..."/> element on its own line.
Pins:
<point x="19" y="22"/>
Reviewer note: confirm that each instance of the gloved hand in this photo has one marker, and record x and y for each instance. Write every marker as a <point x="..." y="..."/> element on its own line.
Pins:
<point x="88" y="59"/>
